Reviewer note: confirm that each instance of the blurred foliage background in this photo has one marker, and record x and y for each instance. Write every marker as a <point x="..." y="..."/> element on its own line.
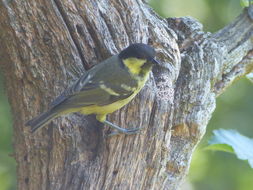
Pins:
<point x="209" y="170"/>
<point x="7" y="162"/>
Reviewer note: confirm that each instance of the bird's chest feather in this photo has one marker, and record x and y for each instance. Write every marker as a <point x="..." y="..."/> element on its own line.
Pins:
<point x="139" y="72"/>
<point x="106" y="109"/>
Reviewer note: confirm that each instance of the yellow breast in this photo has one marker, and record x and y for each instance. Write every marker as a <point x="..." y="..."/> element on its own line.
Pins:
<point x="106" y="109"/>
<point x="135" y="66"/>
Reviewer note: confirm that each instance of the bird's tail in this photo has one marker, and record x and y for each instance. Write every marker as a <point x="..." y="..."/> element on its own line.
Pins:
<point x="41" y="120"/>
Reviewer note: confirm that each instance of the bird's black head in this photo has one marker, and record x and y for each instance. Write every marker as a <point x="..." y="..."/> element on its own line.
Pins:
<point x="139" y="51"/>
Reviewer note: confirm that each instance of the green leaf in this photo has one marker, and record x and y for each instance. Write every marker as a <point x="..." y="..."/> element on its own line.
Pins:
<point x="245" y="3"/>
<point x="250" y="77"/>
<point x="232" y="141"/>
<point x="220" y="147"/>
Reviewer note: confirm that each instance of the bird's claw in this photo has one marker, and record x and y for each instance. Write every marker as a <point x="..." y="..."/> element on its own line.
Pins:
<point x="125" y="131"/>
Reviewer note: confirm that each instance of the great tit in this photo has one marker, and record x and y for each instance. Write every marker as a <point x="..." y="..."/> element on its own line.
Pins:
<point x="104" y="88"/>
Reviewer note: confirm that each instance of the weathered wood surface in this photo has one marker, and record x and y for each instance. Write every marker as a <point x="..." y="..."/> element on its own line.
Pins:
<point x="46" y="45"/>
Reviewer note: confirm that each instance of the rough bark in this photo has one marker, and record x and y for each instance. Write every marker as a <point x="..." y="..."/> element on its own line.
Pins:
<point x="46" y="45"/>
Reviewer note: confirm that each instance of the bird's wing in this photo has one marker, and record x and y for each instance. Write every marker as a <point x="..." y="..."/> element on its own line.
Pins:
<point x="101" y="85"/>
<point x="91" y="94"/>
<point x="71" y="90"/>
<point x="94" y="96"/>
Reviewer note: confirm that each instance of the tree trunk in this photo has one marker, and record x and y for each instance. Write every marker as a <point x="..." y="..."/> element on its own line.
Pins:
<point x="46" y="45"/>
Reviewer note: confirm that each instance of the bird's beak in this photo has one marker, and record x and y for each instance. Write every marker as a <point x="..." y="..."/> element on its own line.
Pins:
<point x="155" y="62"/>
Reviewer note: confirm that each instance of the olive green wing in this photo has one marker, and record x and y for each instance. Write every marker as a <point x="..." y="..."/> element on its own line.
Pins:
<point x="84" y="83"/>
<point x="75" y="88"/>
<point x="91" y="95"/>
<point x="94" y="96"/>
<point x="104" y="84"/>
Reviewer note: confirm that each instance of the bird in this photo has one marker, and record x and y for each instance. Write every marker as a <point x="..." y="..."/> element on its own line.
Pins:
<point x="104" y="88"/>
